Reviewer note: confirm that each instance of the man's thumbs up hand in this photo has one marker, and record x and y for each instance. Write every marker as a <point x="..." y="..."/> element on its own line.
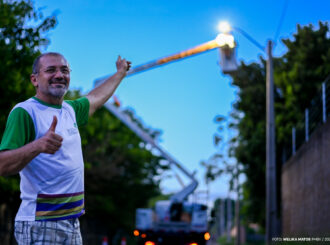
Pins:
<point x="51" y="142"/>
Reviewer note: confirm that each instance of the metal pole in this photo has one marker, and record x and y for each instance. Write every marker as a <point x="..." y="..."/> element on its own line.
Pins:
<point x="229" y="218"/>
<point x="222" y="217"/>
<point x="271" y="202"/>
<point x="237" y="207"/>
<point x="218" y="219"/>
<point x="293" y="141"/>
<point x="324" y="104"/>
<point x="306" y="125"/>
<point x="238" y="223"/>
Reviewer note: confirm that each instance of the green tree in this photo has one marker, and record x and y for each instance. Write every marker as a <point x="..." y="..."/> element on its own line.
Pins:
<point x="299" y="74"/>
<point x="22" y="34"/>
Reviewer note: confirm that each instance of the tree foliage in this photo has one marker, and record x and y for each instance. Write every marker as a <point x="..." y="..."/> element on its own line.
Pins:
<point x="298" y="77"/>
<point x="22" y="34"/>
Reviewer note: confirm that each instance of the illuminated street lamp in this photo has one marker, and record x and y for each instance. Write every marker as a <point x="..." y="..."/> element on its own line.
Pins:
<point x="271" y="197"/>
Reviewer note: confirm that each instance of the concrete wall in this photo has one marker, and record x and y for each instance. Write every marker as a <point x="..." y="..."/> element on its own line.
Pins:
<point x="306" y="188"/>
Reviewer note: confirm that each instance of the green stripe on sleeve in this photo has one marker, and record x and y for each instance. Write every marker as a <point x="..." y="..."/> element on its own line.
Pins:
<point x="81" y="108"/>
<point x="19" y="130"/>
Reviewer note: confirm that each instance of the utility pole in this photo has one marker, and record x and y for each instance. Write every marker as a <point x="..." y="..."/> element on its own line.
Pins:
<point x="237" y="210"/>
<point x="271" y="200"/>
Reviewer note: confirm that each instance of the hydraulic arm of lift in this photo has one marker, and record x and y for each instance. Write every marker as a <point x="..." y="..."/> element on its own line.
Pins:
<point x="223" y="41"/>
<point x="124" y="118"/>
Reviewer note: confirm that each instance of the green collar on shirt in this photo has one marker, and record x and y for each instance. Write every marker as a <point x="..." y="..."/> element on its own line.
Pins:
<point x="46" y="104"/>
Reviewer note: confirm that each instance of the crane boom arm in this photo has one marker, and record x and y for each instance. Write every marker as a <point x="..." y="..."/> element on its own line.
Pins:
<point x="174" y="57"/>
<point x="168" y="59"/>
<point x="145" y="136"/>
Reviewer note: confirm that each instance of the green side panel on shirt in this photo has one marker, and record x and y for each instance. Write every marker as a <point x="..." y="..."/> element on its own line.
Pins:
<point x="19" y="130"/>
<point x="81" y="108"/>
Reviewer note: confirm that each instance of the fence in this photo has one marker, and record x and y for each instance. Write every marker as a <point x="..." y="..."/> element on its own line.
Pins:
<point x="315" y="115"/>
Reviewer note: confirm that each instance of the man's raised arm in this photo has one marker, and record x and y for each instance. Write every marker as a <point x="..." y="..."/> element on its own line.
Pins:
<point x="99" y="95"/>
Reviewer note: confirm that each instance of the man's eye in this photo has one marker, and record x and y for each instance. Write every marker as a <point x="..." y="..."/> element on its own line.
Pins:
<point x="65" y="70"/>
<point x="50" y="70"/>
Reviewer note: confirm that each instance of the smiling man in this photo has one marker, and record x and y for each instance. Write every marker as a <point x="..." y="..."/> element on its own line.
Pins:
<point x="42" y="143"/>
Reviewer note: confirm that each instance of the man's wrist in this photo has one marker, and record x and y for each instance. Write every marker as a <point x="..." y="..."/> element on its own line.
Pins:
<point x="121" y="74"/>
<point x="36" y="146"/>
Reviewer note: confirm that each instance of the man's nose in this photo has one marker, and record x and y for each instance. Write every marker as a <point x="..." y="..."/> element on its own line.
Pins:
<point x="58" y="74"/>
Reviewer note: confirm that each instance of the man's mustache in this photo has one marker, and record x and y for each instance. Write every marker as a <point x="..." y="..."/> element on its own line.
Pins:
<point x="58" y="80"/>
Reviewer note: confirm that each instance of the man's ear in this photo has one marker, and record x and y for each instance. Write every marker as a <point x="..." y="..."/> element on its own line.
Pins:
<point x="33" y="79"/>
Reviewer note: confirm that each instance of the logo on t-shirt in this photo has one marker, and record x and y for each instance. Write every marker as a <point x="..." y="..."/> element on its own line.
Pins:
<point x="72" y="131"/>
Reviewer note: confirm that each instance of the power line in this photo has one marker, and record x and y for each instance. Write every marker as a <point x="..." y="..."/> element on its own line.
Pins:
<point x="285" y="7"/>
<point x="251" y="39"/>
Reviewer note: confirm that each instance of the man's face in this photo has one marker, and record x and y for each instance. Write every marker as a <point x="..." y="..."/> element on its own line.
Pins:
<point x="53" y="77"/>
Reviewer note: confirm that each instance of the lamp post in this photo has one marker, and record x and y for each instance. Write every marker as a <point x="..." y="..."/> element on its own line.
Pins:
<point x="271" y="197"/>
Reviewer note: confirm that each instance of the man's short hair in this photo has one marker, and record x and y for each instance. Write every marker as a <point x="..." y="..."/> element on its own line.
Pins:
<point x="36" y="62"/>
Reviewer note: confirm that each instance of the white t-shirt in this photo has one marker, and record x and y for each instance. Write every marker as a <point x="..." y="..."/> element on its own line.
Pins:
<point x="52" y="185"/>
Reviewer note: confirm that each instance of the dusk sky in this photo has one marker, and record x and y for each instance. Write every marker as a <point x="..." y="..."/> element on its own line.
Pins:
<point x="181" y="99"/>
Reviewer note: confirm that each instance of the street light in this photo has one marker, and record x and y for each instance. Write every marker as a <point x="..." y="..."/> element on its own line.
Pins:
<point x="224" y="27"/>
<point x="271" y="197"/>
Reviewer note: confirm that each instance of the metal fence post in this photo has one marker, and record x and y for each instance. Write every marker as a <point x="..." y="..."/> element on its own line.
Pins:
<point x="324" y="105"/>
<point x="222" y="217"/>
<point x="293" y="141"/>
<point x="229" y="217"/>
<point x="306" y="125"/>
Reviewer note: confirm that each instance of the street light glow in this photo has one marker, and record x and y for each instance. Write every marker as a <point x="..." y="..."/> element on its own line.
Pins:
<point x="224" y="39"/>
<point x="224" y="27"/>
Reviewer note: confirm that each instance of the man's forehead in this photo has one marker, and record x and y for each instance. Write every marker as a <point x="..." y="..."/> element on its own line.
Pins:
<point x="53" y="60"/>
